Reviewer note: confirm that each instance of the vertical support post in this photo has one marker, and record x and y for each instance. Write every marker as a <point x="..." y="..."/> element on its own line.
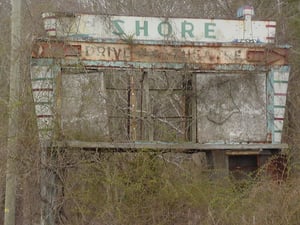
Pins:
<point x="185" y="108"/>
<point x="48" y="80"/>
<point x="188" y="106"/>
<point x="194" y="109"/>
<point x="128" y="107"/>
<point x="48" y="187"/>
<point x="142" y="107"/>
<point x="13" y="127"/>
<point x="147" y="107"/>
<point x="220" y="162"/>
<point x="133" y="105"/>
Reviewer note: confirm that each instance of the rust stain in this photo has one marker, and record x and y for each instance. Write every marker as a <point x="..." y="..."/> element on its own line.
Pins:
<point x="204" y="55"/>
<point x="55" y="50"/>
<point x="273" y="56"/>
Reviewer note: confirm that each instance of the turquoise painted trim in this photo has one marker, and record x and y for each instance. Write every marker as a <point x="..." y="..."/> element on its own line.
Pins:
<point x="56" y="70"/>
<point x="42" y="62"/>
<point x="42" y="78"/>
<point x="281" y="81"/>
<point x="89" y="38"/>
<point x="279" y="106"/>
<point x="239" y="67"/>
<point x="285" y="69"/>
<point x="158" y="65"/>
<point x="271" y="94"/>
<point x="191" y="67"/>
<point x="270" y="104"/>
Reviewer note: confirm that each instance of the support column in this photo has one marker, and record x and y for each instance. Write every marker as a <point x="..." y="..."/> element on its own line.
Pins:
<point x="220" y="162"/>
<point x="149" y="119"/>
<point x="14" y="112"/>
<point x="132" y="110"/>
<point x="48" y="187"/>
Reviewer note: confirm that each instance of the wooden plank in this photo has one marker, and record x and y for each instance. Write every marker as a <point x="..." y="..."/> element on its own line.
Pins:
<point x="133" y="109"/>
<point x="166" y="146"/>
<point x="194" y="109"/>
<point x="150" y="130"/>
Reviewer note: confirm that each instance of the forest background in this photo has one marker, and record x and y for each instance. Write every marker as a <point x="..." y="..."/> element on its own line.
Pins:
<point x="143" y="188"/>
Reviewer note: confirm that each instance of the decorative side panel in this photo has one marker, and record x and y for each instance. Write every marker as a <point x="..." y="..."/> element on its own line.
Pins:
<point x="277" y="93"/>
<point x="43" y="89"/>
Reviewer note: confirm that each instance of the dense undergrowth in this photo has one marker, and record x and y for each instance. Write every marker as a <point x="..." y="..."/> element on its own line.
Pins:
<point x="146" y="189"/>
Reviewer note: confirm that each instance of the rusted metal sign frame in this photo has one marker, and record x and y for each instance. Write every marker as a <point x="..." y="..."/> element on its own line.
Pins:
<point x="126" y="55"/>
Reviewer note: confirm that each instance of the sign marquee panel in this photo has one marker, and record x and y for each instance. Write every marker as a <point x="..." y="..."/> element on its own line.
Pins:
<point x="155" y="29"/>
<point x="201" y="55"/>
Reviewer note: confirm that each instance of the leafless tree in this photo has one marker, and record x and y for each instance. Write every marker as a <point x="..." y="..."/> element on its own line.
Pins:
<point x="168" y="92"/>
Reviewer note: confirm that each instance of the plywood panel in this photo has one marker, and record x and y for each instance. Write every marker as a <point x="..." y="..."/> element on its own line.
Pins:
<point x="83" y="114"/>
<point x="231" y="108"/>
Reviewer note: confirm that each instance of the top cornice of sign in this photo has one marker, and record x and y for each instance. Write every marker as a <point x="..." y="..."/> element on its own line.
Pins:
<point x="59" y="14"/>
<point x="132" y="28"/>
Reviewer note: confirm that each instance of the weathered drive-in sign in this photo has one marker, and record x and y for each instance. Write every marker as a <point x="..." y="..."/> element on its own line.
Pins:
<point x="240" y="88"/>
<point x="182" y="84"/>
<point x="154" y="29"/>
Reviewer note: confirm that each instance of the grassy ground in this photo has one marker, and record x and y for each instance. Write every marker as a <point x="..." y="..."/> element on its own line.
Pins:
<point x="146" y="189"/>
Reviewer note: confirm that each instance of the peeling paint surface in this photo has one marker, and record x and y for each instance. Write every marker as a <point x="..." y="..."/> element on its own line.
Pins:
<point x="202" y="55"/>
<point x="277" y="95"/>
<point x="231" y="108"/>
<point x="101" y="27"/>
<point x="43" y="86"/>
